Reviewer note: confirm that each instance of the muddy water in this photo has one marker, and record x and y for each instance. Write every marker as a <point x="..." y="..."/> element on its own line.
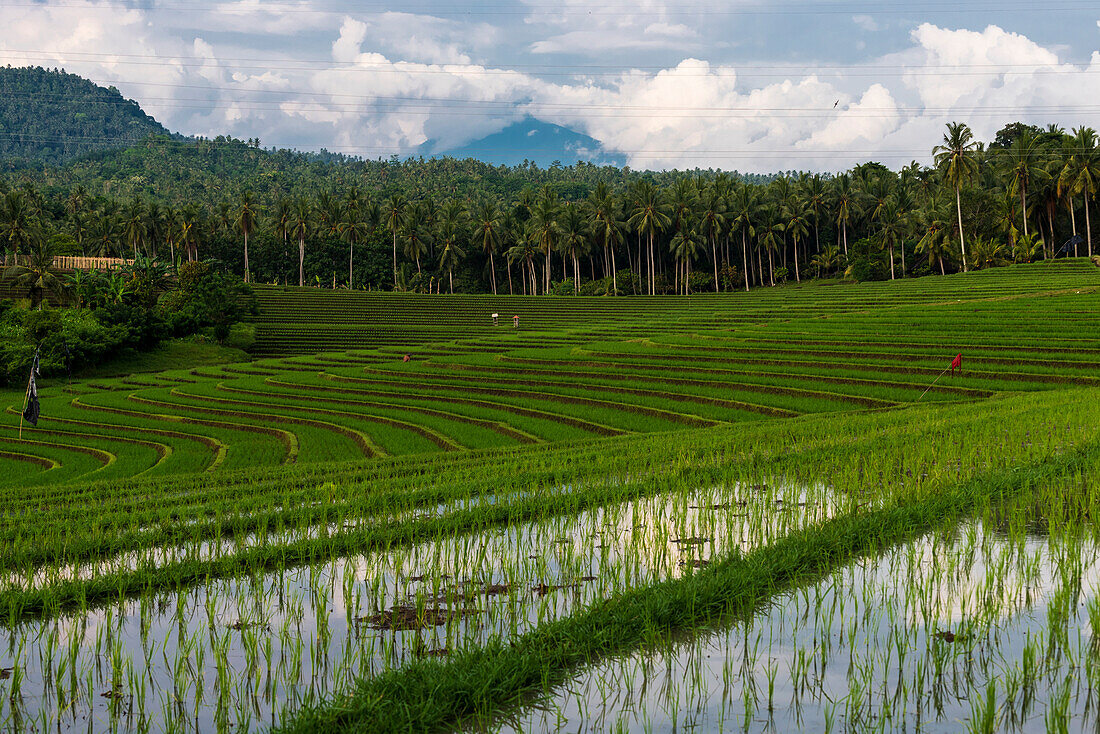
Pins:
<point x="238" y="654"/>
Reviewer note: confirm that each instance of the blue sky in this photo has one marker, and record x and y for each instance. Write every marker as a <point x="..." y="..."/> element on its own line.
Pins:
<point x="754" y="86"/>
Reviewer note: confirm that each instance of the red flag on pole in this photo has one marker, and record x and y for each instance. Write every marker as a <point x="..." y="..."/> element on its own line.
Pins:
<point x="957" y="363"/>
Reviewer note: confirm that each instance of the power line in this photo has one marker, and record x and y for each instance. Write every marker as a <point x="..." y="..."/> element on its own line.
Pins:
<point x="410" y="68"/>
<point x="605" y="10"/>
<point x="491" y="108"/>
<point x="573" y="68"/>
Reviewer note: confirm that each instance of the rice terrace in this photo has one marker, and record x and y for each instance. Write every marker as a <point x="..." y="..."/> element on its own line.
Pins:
<point x="774" y="408"/>
<point x="632" y="512"/>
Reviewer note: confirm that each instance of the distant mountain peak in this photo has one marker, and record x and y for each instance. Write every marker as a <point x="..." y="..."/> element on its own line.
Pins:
<point x="542" y="143"/>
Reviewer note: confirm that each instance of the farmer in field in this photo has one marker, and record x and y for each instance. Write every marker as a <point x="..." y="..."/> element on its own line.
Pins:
<point x="495" y="319"/>
<point x="515" y="322"/>
<point x="407" y="358"/>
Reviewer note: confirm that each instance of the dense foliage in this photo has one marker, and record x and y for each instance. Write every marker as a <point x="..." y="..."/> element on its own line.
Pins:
<point x="280" y="216"/>
<point x="105" y="312"/>
<point x="49" y="116"/>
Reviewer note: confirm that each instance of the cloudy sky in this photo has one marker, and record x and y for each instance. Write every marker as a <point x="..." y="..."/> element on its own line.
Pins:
<point x="753" y="85"/>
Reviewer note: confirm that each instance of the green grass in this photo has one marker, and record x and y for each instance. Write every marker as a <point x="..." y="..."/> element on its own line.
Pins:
<point x="211" y="487"/>
<point x="168" y="355"/>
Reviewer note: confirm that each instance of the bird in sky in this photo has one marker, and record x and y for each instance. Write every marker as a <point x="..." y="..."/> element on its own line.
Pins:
<point x="835" y="104"/>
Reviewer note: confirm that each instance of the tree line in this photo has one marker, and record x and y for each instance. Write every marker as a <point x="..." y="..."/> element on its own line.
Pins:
<point x="1025" y="196"/>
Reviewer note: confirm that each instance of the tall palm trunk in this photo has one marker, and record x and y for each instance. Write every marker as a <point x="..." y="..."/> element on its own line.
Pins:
<point x="493" y="272"/>
<point x="614" y="275"/>
<point x="745" y="258"/>
<point x="1088" y="227"/>
<point x="1023" y="204"/>
<point x="714" y="254"/>
<point x="891" y="261"/>
<point x="395" y="258"/>
<point x="301" y="261"/>
<point x="844" y="232"/>
<point x="351" y="272"/>
<point x="652" y="272"/>
<point x="508" y="267"/>
<point x="246" y="257"/>
<point x="962" y="240"/>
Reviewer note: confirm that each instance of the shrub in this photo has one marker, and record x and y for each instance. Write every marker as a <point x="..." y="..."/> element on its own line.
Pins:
<point x="206" y="298"/>
<point x="562" y="288"/>
<point x="730" y="277"/>
<point x="867" y="262"/>
<point x="701" y="282"/>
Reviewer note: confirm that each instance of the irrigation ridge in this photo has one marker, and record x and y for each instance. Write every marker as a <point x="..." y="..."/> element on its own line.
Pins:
<point x="575" y="369"/>
<point x="332" y="537"/>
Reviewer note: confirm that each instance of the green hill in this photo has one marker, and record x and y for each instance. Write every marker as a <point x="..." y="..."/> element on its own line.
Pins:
<point x="51" y="116"/>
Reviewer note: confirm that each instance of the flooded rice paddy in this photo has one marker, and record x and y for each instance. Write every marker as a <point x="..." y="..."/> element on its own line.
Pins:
<point x="974" y="630"/>
<point x="241" y="654"/>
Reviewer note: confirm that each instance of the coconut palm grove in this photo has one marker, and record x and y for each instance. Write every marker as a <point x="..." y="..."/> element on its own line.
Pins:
<point x="303" y="441"/>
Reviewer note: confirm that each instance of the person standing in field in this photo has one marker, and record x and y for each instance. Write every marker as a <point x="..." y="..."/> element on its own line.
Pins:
<point x="515" y="322"/>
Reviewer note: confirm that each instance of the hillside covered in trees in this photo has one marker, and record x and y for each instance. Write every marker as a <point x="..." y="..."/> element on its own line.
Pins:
<point x="283" y="216"/>
<point x="49" y="116"/>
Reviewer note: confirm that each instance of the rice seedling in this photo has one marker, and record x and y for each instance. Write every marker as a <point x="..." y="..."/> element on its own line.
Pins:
<point x="657" y="516"/>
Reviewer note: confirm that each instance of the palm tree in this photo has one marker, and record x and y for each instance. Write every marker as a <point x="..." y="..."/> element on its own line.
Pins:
<point x="685" y="246"/>
<point x="38" y="275"/>
<point x="826" y="261"/>
<point x="892" y="228"/>
<point x="744" y="214"/>
<point x="935" y="230"/>
<point x="797" y="229"/>
<point x="544" y="229"/>
<point x="712" y="220"/>
<point x="815" y="197"/>
<point x="771" y="236"/>
<point x="957" y="158"/>
<point x="452" y="253"/>
<point x="489" y="231"/>
<point x="134" y="224"/>
<point x="328" y="214"/>
<point x="846" y="206"/>
<point x="416" y="235"/>
<point x="223" y="218"/>
<point x="19" y="228"/>
<point x="355" y="226"/>
<point x="452" y="220"/>
<point x="301" y="225"/>
<point x="155" y="224"/>
<point x="682" y="197"/>
<point x="574" y="239"/>
<point x="190" y="220"/>
<point x="247" y="214"/>
<point x="649" y="218"/>
<point x="606" y="226"/>
<point x="282" y="217"/>
<point x="1081" y="175"/>
<point x="524" y="251"/>
<point x="1023" y="168"/>
<point x="80" y="227"/>
<point x="395" y="218"/>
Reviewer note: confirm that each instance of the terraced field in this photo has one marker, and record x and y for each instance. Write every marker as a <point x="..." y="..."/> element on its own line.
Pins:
<point x="330" y="537"/>
<point x="576" y="370"/>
